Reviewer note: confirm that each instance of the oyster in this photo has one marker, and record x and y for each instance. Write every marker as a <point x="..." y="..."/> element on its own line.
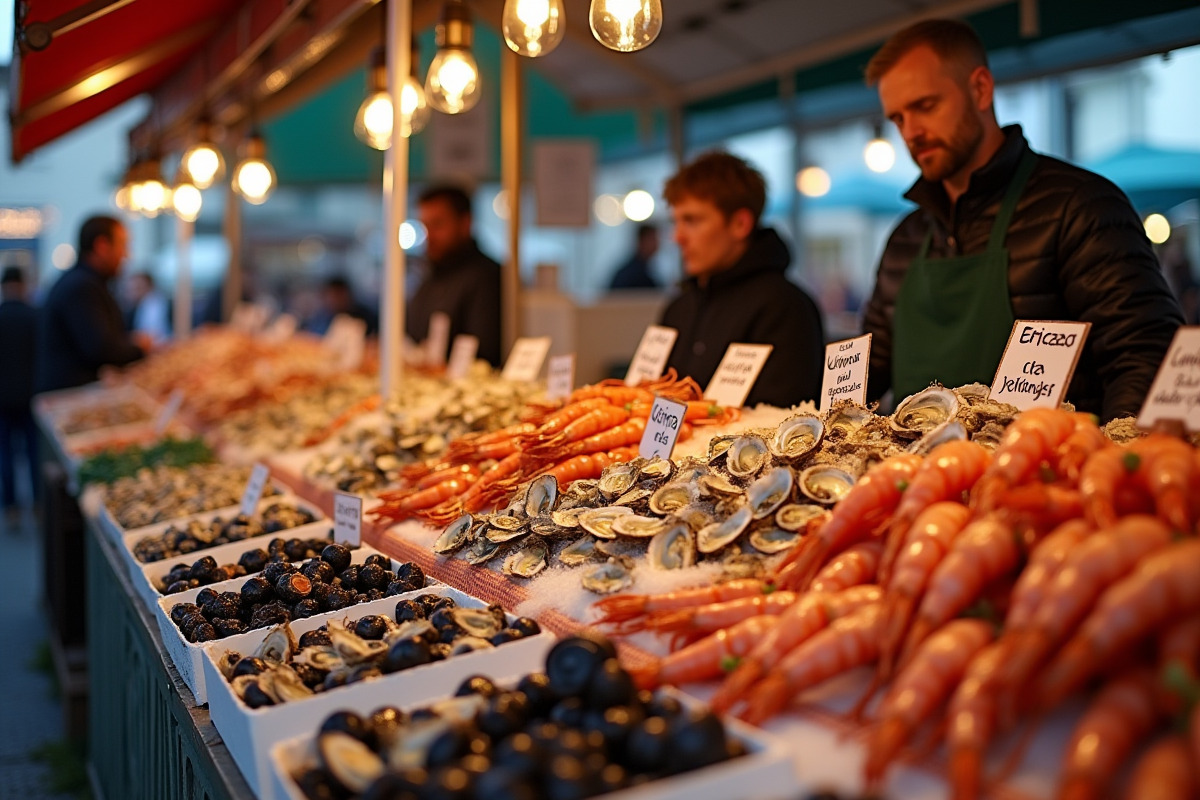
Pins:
<point x="924" y="411"/>
<point x="578" y="552"/>
<point x="581" y="492"/>
<point x="476" y="621"/>
<point x="469" y="644"/>
<point x="768" y="492"/>
<point x="825" y="483"/>
<point x="408" y="630"/>
<point x="353" y="649"/>
<point x="456" y="534"/>
<point x="528" y="561"/>
<point x="672" y="548"/>
<point x="611" y="576"/>
<point x="946" y="432"/>
<point x="505" y="527"/>
<point x="673" y="496"/>
<point x="635" y="496"/>
<point x="617" y="479"/>
<point x="795" y="517"/>
<point x="481" y="550"/>
<point x="639" y="527"/>
<point x="796" y="437"/>
<point x="287" y="685"/>
<point x="279" y="645"/>
<point x="621" y="547"/>
<point x="657" y="469"/>
<point x="599" y="521"/>
<point x="746" y="456"/>
<point x="696" y="515"/>
<point x="718" y="446"/>
<point x="350" y="762"/>
<point x="716" y="535"/>
<point x="541" y="496"/>
<point x="568" y="517"/>
<point x="740" y="566"/>
<point x="714" y="485"/>
<point x="772" y="539"/>
<point x="320" y="657"/>
<point x="546" y="526"/>
<point x="989" y="435"/>
<point x="846" y="418"/>
<point x="974" y="393"/>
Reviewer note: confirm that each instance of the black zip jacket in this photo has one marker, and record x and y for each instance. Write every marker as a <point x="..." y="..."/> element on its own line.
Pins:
<point x="466" y="287"/>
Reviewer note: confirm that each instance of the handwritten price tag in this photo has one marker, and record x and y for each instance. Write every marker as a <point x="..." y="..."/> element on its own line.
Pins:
<point x="652" y="354"/>
<point x="1038" y="363"/>
<point x="168" y="412"/>
<point x="347" y="519"/>
<point x="845" y="378"/>
<point x="254" y="489"/>
<point x="560" y="380"/>
<point x="281" y="329"/>
<point x="462" y="356"/>
<point x="736" y="374"/>
<point x="662" y="429"/>
<point x="525" y="360"/>
<point x="438" y="339"/>
<point x="346" y="339"/>
<point x="1175" y="393"/>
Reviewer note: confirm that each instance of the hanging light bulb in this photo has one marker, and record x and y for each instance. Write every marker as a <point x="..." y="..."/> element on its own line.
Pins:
<point x="203" y="162"/>
<point x="813" y="182"/>
<point x="452" y="85"/>
<point x="533" y="27"/>
<point x="149" y="194"/>
<point x="879" y="153"/>
<point x="185" y="197"/>
<point x="375" y="120"/>
<point x="254" y="178"/>
<point x="626" y="25"/>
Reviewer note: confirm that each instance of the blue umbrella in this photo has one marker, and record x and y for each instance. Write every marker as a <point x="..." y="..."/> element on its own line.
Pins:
<point x="1153" y="177"/>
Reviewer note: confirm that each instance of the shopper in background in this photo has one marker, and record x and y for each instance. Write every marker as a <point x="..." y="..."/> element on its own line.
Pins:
<point x="461" y="282"/>
<point x="736" y="289"/>
<point x="1002" y="233"/>
<point x="150" y="311"/>
<point x="337" y="297"/>
<point x="18" y="332"/>
<point x="81" y="329"/>
<point x="635" y="273"/>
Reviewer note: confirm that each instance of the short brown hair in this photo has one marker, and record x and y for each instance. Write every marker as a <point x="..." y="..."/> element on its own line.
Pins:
<point x="725" y="180"/>
<point x="952" y="40"/>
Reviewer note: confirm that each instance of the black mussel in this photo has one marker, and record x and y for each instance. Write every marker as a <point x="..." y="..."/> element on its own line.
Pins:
<point x="476" y="764"/>
<point x="190" y="622"/>
<point x="275" y="546"/>
<point x="179" y="572"/>
<point x="440" y="651"/>
<point x="448" y="783"/>
<point x="351" y="723"/>
<point x="536" y="688"/>
<point x="254" y="696"/>
<point x="505" y="636"/>
<point x="203" y="568"/>
<point x="388" y="724"/>
<point x="234" y="571"/>
<point x="308" y="607"/>
<point x="203" y="633"/>
<point x="568" y="712"/>
<point x="613" y="778"/>
<point x="276" y="570"/>
<point x="410" y="575"/>
<point x="406" y="654"/>
<point x="824" y="794"/>
<point x="648" y="744"/>
<point x="188" y="545"/>
<point x="293" y="587"/>
<point x="309" y="675"/>
<point x="373" y="576"/>
<point x="449" y="634"/>
<point x="571" y="662"/>
<point x="254" y="560"/>
<point x="226" y="605"/>
<point x="396" y="587"/>
<point x="443" y="618"/>
<point x="519" y="753"/>
<point x="501" y="783"/>
<point x="662" y="705"/>
<point x="277" y="557"/>
<point x="409" y="610"/>
<point x="527" y="626"/>
<point x="317" y="785"/>
<point x="423" y="714"/>
<point x="320" y="592"/>
<point x="388" y="787"/>
<point x="372" y="626"/>
<point x="229" y="626"/>
<point x="610" y="686"/>
<point x="379" y="559"/>
<point x="317" y="638"/>
<point x="363" y="672"/>
<point x="337" y="556"/>
<point x="544" y="734"/>
<point x="295" y="549"/>
<point x="205" y="596"/>
<point x="498" y="614"/>
<point x="334" y="679"/>
<point x="477" y="684"/>
<point x="569" y="779"/>
<point x="338" y="599"/>
<point x="504" y="715"/>
<point x="697" y="740"/>
<point x="256" y="589"/>
<point x="615" y="724"/>
<point x="448" y="746"/>
<point x="318" y="571"/>
<point x="181" y="610"/>
<point x="361" y="597"/>
<point x="375" y="594"/>
<point x="432" y="602"/>
<point x="175" y="587"/>
<point x="249" y="665"/>
<point x="271" y="614"/>
<point x="349" y="576"/>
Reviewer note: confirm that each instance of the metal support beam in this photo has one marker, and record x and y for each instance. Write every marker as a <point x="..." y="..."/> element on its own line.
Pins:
<point x="184" y="231"/>
<point x="395" y="207"/>
<point x="512" y="117"/>
<point x="231" y="292"/>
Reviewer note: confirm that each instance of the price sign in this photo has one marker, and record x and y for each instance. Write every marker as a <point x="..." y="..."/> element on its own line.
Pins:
<point x="845" y="378"/>
<point x="346" y="339"/>
<point x="525" y="360"/>
<point x="1038" y="363"/>
<point x="736" y="374"/>
<point x="438" y="339"/>
<point x="560" y="379"/>
<point x="652" y="354"/>
<point x="462" y="356"/>
<point x="254" y="489"/>
<point x="281" y="329"/>
<point x="662" y="429"/>
<point x="1175" y="393"/>
<point x="347" y="519"/>
<point x="168" y="412"/>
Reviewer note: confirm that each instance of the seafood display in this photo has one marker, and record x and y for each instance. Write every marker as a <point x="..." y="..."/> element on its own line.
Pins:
<point x="304" y="419"/>
<point x="163" y="493"/>
<point x="284" y="592"/>
<point x="113" y="463"/>
<point x="206" y="570"/>
<point x="197" y="534"/>
<point x="109" y="415"/>
<point x="424" y="629"/>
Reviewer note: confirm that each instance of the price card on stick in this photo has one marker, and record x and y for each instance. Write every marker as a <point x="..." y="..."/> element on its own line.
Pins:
<point x="560" y="379"/>
<point x="846" y="365"/>
<point x="652" y="354"/>
<point x="1175" y="394"/>
<point x="438" y="339"/>
<point x="168" y="412"/>
<point x="525" y="360"/>
<point x="462" y="356"/>
<point x="662" y="429"/>
<point x="281" y="329"/>
<point x="347" y="519"/>
<point x="736" y="374"/>
<point x="346" y="339"/>
<point x="254" y="489"/>
<point x="1038" y="363"/>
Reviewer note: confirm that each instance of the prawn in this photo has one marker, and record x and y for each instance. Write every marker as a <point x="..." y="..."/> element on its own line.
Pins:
<point x="1038" y="508"/>
<point x="714" y="616"/>
<point x="1162" y="588"/>
<point x="849" y="642"/>
<point x="465" y="447"/>
<point x="1168" y="470"/>
<point x="1045" y="559"/>
<point x="591" y="423"/>
<point x="972" y="719"/>
<point x="1164" y="772"/>
<point x="420" y="499"/>
<point x="854" y="566"/>
<point x="1103" y="473"/>
<point x="921" y="688"/>
<point x="706" y="659"/>
<point x="589" y="465"/>
<point x="555" y="422"/>
<point x="623" y="435"/>
<point x="1180" y="644"/>
<point x="854" y="518"/>
<point x="799" y="622"/>
<point x="1073" y="453"/>
<point x="477" y="496"/>
<point x="439" y="475"/>
<point x="617" y="394"/>
<point x="621" y="608"/>
<point x="1027" y="442"/>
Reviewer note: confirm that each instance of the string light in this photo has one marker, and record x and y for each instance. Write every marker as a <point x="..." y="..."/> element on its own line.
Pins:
<point x="626" y="25"/>
<point x="452" y="85"/>
<point x="533" y="27"/>
<point x="203" y="162"/>
<point x="254" y="178"/>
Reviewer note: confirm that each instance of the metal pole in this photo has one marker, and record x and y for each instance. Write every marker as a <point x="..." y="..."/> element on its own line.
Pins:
<point x="395" y="207"/>
<point x="184" y="232"/>
<point x="232" y="292"/>
<point x="512" y="115"/>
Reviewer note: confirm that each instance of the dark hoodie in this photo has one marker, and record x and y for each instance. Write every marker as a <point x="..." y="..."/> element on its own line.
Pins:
<point x="752" y="302"/>
<point x="466" y="287"/>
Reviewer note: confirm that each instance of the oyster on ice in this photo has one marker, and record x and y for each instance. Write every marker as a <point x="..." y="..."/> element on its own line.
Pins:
<point x="825" y="483"/>
<point x="922" y="412"/>
<point x="796" y="437"/>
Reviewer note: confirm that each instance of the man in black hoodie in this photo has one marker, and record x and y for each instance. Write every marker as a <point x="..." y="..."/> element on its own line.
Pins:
<point x="736" y="289"/>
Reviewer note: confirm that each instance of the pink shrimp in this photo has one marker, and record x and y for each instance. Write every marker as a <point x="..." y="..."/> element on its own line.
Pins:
<point x="1163" y="588"/>
<point x="1030" y="440"/>
<point x="921" y="688"/>
<point x="971" y="720"/>
<point x="713" y="616"/>
<point x="1180" y="644"/>
<point x="1088" y="569"/>
<point x="803" y="619"/>
<point x="855" y="518"/>
<point x="1073" y="453"/>
<point x="620" y="609"/>
<point x="1165" y="772"/>
<point x="709" y="658"/>
<point x="1038" y="508"/>
<point x="849" y="642"/>
<point x="854" y="566"/>
<point x="1168" y="468"/>
<point x="949" y="470"/>
<point x="1044" y="562"/>
<point x="1099" y="480"/>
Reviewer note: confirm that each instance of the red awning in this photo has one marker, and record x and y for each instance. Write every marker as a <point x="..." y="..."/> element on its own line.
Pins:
<point x="100" y="54"/>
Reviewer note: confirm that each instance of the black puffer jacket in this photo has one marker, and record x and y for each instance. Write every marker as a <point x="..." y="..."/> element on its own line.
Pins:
<point x="752" y="302"/>
<point x="1077" y="251"/>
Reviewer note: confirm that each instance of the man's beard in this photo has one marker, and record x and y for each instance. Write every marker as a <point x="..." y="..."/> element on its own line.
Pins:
<point x="956" y="153"/>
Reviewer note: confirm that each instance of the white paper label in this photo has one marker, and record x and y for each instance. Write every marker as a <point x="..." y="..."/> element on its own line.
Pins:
<point x="347" y="519"/>
<point x="168" y="412"/>
<point x="736" y="374"/>
<point x="846" y="364"/>
<point x="346" y="340"/>
<point x="525" y="359"/>
<point x="249" y="317"/>
<point x="281" y="329"/>
<point x="560" y="378"/>
<point x="662" y="429"/>
<point x="1038" y="363"/>
<point x="438" y="339"/>
<point x="651" y="356"/>
<point x="254" y="489"/>
<point x="462" y="356"/>
<point x="1175" y="393"/>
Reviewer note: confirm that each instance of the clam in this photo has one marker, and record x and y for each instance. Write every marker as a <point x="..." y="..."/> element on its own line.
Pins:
<point x="528" y="561"/>
<point x="672" y="548"/>
<point x="578" y="552"/>
<point x="946" y="432"/>
<point x="481" y="550"/>
<point x="541" y="496"/>
<point x="287" y="685"/>
<point x="278" y="646"/>
<point x="846" y="418"/>
<point x="768" y="492"/>
<point x="795" y="517"/>
<point x="320" y="657"/>
<point x="657" y="469"/>
<point x="476" y="622"/>
<point x="599" y="521"/>
<point x="924" y="411"/>
<point x="639" y="527"/>
<point x="825" y="483"/>
<point x="351" y="763"/>
<point x="746" y="456"/>
<point x="616" y="480"/>
<point x="772" y="539"/>
<point x="353" y="649"/>
<point x="672" y="496"/>
<point x="611" y="576"/>
<point x="456" y="534"/>
<point x="716" y="535"/>
<point x="409" y="630"/>
<point x="715" y="485"/>
<point x="796" y="437"/>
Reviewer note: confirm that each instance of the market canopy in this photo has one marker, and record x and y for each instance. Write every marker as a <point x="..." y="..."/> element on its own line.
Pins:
<point x="1155" y="178"/>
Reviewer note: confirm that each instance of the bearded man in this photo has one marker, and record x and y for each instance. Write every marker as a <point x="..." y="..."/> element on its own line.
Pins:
<point x="1002" y="233"/>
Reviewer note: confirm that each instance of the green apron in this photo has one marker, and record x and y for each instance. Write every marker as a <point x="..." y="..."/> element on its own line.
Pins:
<point x="953" y="316"/>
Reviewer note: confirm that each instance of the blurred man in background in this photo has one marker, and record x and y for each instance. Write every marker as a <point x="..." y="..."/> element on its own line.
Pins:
<point x="635" y="273"/>
<point x="18" y="434"/>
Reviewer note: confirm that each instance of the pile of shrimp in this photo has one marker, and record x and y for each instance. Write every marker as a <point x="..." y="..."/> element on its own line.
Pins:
<point x="982" y="590"/>
<point x="596" y="426"/>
